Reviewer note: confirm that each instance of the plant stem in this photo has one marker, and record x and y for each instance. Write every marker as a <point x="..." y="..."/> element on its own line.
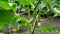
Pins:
<point x="36" y="17"/>
<point x="35" y="23"/>
<point x="28" y="12"/>
<point x="35" y="12"/>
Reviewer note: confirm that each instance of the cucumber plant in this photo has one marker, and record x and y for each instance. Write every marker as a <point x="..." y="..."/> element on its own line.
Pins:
<point x="10" y="12"/>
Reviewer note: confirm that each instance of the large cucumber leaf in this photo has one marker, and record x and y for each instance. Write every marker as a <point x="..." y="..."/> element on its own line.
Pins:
<point x="6" y="17"/>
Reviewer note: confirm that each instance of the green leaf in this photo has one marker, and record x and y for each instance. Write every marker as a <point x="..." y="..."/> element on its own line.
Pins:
<point x="50" y="29"/>
<point x="26" y="2"/>
<point x="18" y="17"/>
<point x="48" y="1"/>
<point x="5" y="5"/>
<point x="4" y="0"/>
<point x="5" y="17"/>
<point x="57" y="10"/>
<point x="29" y="26"/>
<point x="1" y="33"/>
<point x="14" y="7"/>
<point x="23" y="2"/>
<point x="24" y="8"/>
<point x="42" y="27"/>
<point x="22" y="21"/>
<point x="8" y="6"/>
